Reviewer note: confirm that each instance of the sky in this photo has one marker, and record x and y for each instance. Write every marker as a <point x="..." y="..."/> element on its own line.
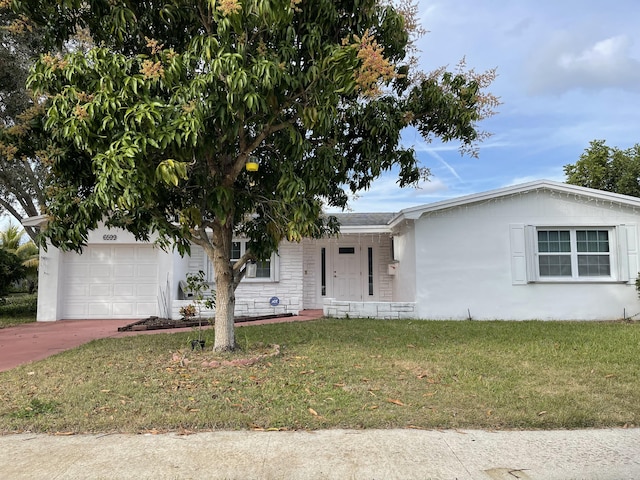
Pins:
<point x="568" y="73"/>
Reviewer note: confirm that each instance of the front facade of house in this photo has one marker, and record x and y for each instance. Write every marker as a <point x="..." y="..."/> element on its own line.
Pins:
<point x="118" y="277"/>
<point x="542" y="250"/>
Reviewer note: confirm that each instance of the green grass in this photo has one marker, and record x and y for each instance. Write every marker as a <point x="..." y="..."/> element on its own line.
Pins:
<point x="340" y="374"/>
<point x="18" y="308"/>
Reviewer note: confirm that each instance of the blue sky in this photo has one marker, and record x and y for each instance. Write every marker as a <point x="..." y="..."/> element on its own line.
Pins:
<point x="568" y="73"/>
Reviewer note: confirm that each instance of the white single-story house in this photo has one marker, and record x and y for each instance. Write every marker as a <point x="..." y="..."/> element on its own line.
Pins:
<point x="540" y="250"/>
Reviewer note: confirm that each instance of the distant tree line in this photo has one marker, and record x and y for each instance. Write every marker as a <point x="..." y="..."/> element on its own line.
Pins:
<point x="607" y="168"/>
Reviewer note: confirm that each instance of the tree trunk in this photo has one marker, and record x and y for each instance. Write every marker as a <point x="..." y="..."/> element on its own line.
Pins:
<point x="225" y="291"/>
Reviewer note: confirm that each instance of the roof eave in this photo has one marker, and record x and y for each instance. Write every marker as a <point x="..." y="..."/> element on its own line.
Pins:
<point x="364" y="229"/>
<point x="414" y="213"/>
<point x="36" y="221"/>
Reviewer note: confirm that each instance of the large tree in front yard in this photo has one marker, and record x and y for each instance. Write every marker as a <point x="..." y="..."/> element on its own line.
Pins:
<point x="21" y="174"/>
<point x="152" y="129"/>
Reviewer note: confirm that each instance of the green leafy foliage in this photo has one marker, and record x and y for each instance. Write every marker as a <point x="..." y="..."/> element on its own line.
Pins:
<point x="18" y="308"/>
<point x="11" y="241"/>
<point x="607" y="168"/>
<point x="156" y="123"/>
<point x="21" y="175"/>
<point x="11" y="270"/>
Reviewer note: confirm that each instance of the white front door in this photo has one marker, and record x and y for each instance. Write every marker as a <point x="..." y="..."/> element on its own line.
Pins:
<point x="347" y="272"/>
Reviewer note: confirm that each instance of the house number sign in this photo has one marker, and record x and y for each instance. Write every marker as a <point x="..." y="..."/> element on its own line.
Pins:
<point x="274" y="301"/>
<point x="109" y="237"/>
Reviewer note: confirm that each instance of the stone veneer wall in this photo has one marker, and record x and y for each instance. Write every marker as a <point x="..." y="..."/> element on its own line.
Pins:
<point x="252" y="297"/>
<point x="385" y="281"/>
<point x="311" y="259"/>
<point x="381" y="310"/>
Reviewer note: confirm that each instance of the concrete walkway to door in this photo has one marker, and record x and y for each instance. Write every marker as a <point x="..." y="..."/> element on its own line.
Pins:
<point x="35" y="341"/>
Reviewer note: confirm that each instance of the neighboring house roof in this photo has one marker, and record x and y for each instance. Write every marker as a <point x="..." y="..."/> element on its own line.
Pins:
<point x="364" y="222"/>
<point x="362" y="219"/>
<point x="414" y="213"/>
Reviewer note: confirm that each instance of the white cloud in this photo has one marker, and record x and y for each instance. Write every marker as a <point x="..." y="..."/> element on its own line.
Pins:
<point x="386" y="195"/>
<point x="566" y="64"/>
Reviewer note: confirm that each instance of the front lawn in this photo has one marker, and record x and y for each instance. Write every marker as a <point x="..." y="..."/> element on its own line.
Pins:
<point x="339" y="374"/>
<point x="18" y="308"/>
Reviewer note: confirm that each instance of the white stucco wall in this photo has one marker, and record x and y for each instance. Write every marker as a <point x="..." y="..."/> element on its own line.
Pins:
<point x="463" y="261"/>
<point x="404" y="282"/>
<point x="49" y="282"/>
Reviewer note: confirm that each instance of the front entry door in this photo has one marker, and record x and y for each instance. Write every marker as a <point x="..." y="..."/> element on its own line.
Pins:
<point x="347" y="277"/>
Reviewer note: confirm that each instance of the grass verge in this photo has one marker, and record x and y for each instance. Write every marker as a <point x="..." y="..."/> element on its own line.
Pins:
<point x="18" y="308"/>
<point x="339" y="374"/>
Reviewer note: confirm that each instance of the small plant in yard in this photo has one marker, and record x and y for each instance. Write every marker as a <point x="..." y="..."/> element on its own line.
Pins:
<point x="188" y="311"/>
<point x="197" y="284"/>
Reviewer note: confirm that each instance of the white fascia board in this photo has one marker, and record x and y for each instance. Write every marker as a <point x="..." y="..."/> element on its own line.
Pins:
<point x="414" y="213"/>
<point x="355" y="229"/>
<point x="36" y="221"/>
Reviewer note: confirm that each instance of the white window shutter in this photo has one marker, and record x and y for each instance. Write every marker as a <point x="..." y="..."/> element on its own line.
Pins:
<point x="627" y="236"/>
<point x="518" y="242"/>
<point x="530" y="250"/>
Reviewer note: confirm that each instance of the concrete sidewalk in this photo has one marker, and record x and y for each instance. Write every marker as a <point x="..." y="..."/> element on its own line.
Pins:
<point x="327" y="454"/>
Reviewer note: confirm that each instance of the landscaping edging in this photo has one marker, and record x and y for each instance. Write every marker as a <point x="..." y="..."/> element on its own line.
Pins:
<point x="157" y="323"/>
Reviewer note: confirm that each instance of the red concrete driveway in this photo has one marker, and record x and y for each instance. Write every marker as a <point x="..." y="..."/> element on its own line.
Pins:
<point x="35" y="341"/>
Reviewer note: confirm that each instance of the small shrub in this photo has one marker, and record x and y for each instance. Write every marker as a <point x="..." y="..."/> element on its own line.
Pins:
<point x="188" y="311"/>
<point x="17" y="309"/>
<point x="11" y="270"/>
<point x="19" y="305"/>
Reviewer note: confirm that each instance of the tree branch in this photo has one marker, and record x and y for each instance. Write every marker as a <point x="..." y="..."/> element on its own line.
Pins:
<point x="242" y="157"/>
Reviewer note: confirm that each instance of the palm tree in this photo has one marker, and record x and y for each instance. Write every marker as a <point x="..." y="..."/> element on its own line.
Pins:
<point x="10" y="239"/>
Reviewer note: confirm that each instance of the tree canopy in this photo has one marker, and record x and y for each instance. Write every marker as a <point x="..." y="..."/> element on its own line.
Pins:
<point x="21" y="175"/>
<point x="11" y="270"/>
<point x="151" y="129"/>
<point x="11" y="242"/>
<point x="607" y="168"/>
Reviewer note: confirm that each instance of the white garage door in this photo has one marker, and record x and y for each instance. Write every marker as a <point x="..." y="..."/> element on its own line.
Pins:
<point x="110" y="281"/>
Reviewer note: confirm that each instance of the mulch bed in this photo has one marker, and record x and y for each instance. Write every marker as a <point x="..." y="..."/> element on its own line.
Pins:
<point x="158" y="323"/>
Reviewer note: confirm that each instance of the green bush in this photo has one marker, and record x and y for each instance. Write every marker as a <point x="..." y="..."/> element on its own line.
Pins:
<point x="11" y="270"/>
<point x="19" y="305"/>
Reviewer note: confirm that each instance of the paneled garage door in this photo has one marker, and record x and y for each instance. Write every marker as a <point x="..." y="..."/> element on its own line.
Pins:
<point x="110" y="281"/>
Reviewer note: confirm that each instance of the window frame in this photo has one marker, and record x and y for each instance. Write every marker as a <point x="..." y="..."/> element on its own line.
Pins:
<point x="575" y="277"/>
<point x="274" y="266"/>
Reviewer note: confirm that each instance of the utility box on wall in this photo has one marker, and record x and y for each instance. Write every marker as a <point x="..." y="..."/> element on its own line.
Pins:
<point x="252" y="269"/>
<point x="392" y="267"/>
